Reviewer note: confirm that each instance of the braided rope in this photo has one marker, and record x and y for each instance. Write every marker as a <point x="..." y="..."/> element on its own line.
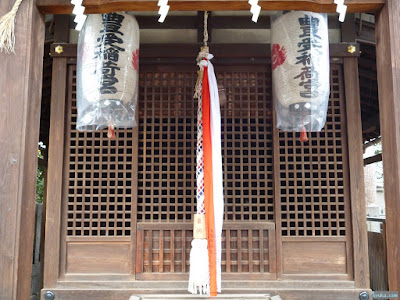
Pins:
<point x="205" y="33"/>
<point x="203" y="54"/>
<point x="7" y="29"/>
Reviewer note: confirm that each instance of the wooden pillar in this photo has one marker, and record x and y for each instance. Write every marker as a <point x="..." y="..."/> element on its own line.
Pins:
<point x="356" y="162"/>
<point x="56" y="160"/>
<point x="20" y="88"/>
<point x="387" y="36"/>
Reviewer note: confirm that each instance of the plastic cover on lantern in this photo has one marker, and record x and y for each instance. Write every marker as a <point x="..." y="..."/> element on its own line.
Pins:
<point x="108" y="71"/>
<point x="300" y="70"/>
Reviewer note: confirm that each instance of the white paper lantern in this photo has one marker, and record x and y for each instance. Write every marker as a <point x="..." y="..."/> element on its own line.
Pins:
<point x="108" y="71"/>
<point x="300" y="70"/>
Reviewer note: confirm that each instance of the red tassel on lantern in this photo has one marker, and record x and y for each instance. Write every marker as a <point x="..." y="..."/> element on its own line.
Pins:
<point x="111" y="132"/>
<point x="303" y="135"/>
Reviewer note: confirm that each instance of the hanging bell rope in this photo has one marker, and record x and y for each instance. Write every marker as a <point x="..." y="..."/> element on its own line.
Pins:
<point x="7" y="29"/>
<point x="205" y="254"/>
<point x="199" y="276"/>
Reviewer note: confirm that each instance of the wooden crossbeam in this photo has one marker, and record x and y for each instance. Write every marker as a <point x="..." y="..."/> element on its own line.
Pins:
<point x="372" y="159"/>
<point x="216" y="22"/>
<point x="250" y="52"/>
<point x="105" y="6"/>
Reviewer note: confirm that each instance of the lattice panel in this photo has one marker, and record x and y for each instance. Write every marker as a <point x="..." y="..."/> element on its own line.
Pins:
<point x="247" y="146"/>
<point x="168" y="250"/>
<point x="311" y="175"/>
<point x="167" y="141"/>
<point x="99" y="174"/>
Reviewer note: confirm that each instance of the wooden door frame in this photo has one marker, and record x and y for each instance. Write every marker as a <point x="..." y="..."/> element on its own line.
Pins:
<point x="384" y="79"/>
<point x="30" y="55"/>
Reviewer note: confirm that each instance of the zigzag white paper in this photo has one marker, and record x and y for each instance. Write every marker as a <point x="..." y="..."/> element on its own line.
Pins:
<point x="255" y="10"/>
<point x="78" y="11"/>
<point x="341" y="9"/>
<point x="163" y="11"/>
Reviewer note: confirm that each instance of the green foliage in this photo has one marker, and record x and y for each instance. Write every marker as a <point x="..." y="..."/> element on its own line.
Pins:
<point x="40" y="184"/>
<point x="40" y="176"/>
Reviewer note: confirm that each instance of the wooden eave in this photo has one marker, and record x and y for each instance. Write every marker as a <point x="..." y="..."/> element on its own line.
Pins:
<point x="105" y="6"/>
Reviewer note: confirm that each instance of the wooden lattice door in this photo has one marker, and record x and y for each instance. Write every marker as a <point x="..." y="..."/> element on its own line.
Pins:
<point x="129" y="203"/>
<point x="166" y="173"/>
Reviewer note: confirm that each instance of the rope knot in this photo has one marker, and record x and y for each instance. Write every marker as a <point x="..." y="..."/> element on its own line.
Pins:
<point x="7" y="29"/>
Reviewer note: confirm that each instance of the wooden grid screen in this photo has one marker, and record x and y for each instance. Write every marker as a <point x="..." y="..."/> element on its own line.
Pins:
<point x="99" y="177"/>
<point x="167" y="141"/>
<point x="247" y="146"/>
<point x="311" y="175"/>
<point x="167" y="146"/>
<point x="163" y="250"/>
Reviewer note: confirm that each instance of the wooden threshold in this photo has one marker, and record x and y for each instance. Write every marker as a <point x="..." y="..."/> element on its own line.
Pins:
<point x="292" y="294"/>
<point x="105" y="6"/>
<point x="181" y="285"/>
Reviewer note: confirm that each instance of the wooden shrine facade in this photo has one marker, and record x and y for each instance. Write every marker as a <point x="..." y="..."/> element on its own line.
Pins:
<point x="126" y="206"/>
<point x="294" y="244"/>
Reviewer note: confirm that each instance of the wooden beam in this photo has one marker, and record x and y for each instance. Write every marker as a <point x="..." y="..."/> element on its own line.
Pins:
<point x="372" y="159"/>
<point x="366" y="32"/>
<point x="216" y="22"/>
<point x="190" y="51"/>
<point x="20" y="85"/>
<point x="356" y="165"/>
<point x="388" y="52"/>
<point x="61" y="28"/>
<point x="105" y="6"/>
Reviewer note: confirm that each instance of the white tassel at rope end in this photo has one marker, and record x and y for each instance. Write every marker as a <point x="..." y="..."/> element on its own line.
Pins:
<point x="255" y="10"/>
<point x="341" y="9"/>
<point x="199" y="275"/>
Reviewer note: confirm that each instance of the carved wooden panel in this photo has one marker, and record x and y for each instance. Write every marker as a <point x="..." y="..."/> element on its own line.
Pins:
<point x="165" y="250"/>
